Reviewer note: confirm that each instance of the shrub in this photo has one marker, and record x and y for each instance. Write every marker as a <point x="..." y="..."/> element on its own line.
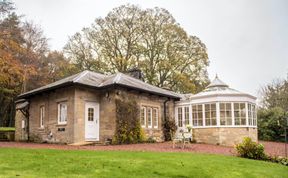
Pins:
<point x="250" y="149"/>
<point x="151" y="140"/>
<point x="278" y="159"/>
<point x="128" y="129"/>
<point x="169" y="128"/>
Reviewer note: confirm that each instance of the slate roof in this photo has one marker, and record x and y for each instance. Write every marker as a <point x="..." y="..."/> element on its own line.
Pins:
<point x="217" y="83"/>
<point x="97" y="80"/>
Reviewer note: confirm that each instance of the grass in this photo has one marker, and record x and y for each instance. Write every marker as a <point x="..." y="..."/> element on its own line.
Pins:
<point x="32" y="163"/>
<point x="6" y="129"/>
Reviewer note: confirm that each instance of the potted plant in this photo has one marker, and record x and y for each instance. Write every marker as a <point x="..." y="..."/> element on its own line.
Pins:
<point x="189" y="128"/>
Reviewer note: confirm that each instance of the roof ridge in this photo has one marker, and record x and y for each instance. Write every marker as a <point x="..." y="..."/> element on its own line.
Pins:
<point x="133" y="78"/>
<point x="82" y="74"/>
<point x="117" y="77"/>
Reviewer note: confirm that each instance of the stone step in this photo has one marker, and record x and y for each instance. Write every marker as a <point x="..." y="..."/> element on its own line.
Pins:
<point x="84" y="143"/>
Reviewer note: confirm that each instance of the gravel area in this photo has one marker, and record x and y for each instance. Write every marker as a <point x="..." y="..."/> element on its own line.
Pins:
<point x="271" y="148"/>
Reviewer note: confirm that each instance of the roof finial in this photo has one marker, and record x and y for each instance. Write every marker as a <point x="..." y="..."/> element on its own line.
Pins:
<point x="217" y="83"/>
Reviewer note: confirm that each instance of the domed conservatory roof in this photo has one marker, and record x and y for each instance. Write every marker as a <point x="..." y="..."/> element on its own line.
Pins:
<point x="217" y="88"/>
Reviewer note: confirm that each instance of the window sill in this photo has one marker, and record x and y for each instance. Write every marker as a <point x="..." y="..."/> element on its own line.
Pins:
<point x="41" y="128"/>
<point x="61" y="124"/>
<point x="150" y="128"/>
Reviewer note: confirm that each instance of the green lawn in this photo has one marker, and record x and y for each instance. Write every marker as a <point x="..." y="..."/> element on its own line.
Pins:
<point x="7" y="129"/>
<point x="56" y="163"/>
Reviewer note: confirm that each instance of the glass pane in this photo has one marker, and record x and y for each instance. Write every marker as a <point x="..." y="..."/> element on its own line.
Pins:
<point x="63" y="112"/>
<point x="243" y="121"/>
<point x="90" y="114"/>
<point x="237" y="121"/>
<point x="213" y="113"/>
<point x="207" y="122"/>
<point x="228" y="106"/>
<point x="222" y="106"/>
<point x="200" y="115"/>
<point x="214" y="122"/>
<point x="222" y="114"/>
<point x="236" y="114"/>
<point x="236" y="106"/>
<point x="222" y="121"/>
<point x="142" y="116"/>
<point x="155" y="117"/>
<point x="194" y="108"/>
<point x="199" y="108"/>
<point x="207" y="107"/>
<point x="200" y="122"/>
<point x="213" y="107"/>
<point x="149" y="117"/>
<point x="242" y="106"/>
<point x="229" y="121"/>
<point x="228" y="114"/>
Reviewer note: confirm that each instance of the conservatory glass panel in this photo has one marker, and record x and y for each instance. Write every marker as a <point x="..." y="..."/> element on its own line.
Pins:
<point x="225" y="114"/>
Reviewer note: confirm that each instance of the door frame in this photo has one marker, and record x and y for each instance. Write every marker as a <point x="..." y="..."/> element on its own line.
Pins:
<point x="97" y="115"/>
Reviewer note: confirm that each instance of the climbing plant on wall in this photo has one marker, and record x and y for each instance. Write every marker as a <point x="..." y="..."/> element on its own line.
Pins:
<point x="128" y="129"/>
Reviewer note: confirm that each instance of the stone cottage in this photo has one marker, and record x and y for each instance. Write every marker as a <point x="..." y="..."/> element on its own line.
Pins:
<point x="82" y="108"/>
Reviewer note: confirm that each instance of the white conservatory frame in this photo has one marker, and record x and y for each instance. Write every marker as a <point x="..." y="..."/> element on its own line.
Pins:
<point x="217" y="99"/>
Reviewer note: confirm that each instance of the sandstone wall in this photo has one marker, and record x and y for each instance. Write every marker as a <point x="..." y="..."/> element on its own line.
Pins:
<point x="76" y="97"/>
<point x="228" y="136"/>
<point x="20" y="133"/>
<point x="143" y="99"/>
<point x="60" y="133"/>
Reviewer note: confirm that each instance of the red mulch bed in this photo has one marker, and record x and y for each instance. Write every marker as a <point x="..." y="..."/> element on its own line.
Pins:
<point x="271" y="148"/>
<point x="274" y="148"/>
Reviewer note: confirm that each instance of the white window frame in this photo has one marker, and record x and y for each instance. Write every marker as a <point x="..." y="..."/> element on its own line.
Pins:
<point x="225" y="118"/>
<point x="60" y="122"/>
<point x="240" y="117"/>
<point x="144" y="108"/>
<point x="42" y="116"/>
<point x="180" y="115"/>
<point x="156" y="119"/>
<point x="254" y="114"/>
<point x="210" y="111"/>
<point x="196" y="119"/>
<point x="151" y="117"/>
<point x="186" y="115"/>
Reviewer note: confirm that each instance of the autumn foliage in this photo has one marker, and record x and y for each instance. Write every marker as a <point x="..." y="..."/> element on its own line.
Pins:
<point x="25" y="60"/>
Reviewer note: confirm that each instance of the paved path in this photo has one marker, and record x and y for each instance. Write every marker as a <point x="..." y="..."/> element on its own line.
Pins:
<point x="271" y="148"/>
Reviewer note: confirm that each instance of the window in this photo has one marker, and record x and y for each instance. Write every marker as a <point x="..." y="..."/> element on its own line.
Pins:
<point x="143" y="116"/>
<point x="197" y="115"/>
<point x="254" y="115"/>
<point x="225" y="114"/>
<point x="90" y="114"/>
<point x="42" y="116"/>
<point x="186" y="115"/>
<point x="62" y="113"/>
<point x="210" y="114"/>
<point x="240" y="113"/>
<point x="155" y="117"/>
<point x="149" y="117"/>
<point x="180" y="120"/>
<point x="251" y="114"/>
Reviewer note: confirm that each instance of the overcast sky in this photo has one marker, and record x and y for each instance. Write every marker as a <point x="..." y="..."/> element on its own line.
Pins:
<point x="247" y="40"/>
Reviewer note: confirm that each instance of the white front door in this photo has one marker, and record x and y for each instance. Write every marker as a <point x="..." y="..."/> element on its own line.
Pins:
<point x="92" y="121"/>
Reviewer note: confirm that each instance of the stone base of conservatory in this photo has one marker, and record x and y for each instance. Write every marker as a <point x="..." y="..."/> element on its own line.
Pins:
<point x="227" y="136"/>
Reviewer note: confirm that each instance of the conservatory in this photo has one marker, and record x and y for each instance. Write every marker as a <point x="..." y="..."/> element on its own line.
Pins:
<point x="218" y="115"/>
